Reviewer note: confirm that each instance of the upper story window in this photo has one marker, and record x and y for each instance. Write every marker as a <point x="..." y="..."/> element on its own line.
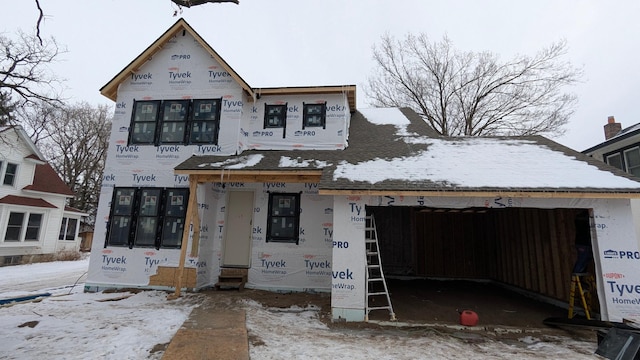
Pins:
<point x="615" y="160"/>
<point x="205" y="123"/>
<point x="275" y="116"/>
<point x="174" y="121"/>
<point x="156" y="122"/>
<point x="284" y="217"/>
<point x="314" y="115"/>
<point x="632" y="160"/>
<point x="144" y="122"/>
<point x="147" y="217"/>
<point x="23" y="227"/>
<point x="9" y="173"/>
<point x="626" y="159"/>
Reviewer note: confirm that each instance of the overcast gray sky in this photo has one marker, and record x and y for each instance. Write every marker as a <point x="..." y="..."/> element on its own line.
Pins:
<point x="312" y="42"/>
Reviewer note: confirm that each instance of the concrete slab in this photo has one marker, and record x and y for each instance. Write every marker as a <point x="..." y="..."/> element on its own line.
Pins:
<point x="211" y="333"/>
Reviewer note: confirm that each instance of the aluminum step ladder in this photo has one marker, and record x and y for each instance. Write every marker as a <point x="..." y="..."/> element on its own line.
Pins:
<point x="377" y="293"/>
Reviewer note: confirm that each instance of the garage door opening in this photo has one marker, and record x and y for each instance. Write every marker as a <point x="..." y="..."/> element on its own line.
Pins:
<point x="519" y="255"/>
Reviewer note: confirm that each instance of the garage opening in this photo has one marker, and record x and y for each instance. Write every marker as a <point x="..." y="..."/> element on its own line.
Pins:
<point x="509" y="257"/>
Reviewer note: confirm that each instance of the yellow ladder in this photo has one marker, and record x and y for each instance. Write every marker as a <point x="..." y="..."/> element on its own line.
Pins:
<point x="585" y="293"/>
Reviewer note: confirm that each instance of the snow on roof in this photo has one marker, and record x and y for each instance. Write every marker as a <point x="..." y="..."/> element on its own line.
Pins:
<point x="477" y="162"/>
<point x="388" y="116"/>
<point x="236" y="163"/>
<point x="287" y="162"/>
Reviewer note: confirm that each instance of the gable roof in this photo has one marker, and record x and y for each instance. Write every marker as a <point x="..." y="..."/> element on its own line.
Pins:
<point x="45" y="179"/>
<point x="110" y="90"/>
<point x="394" y="151"/>
<point x="22" y="135"/>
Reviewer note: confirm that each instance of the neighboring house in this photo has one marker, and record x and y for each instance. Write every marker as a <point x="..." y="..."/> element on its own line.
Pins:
<point x="621" y="149"/>
<point x="35" y="223"/>
<point x="206" y="174"/>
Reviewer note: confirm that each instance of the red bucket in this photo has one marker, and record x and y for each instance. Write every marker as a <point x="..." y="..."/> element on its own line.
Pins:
<point x="468" y="318"/>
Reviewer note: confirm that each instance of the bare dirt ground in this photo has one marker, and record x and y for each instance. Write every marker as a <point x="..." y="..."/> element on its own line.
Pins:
<point x="430" y="304"/>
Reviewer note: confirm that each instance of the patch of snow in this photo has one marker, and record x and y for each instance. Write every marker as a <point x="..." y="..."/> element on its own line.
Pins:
<point x="286" y="161"/>
<point x="485" y="162"/>
<point x="236" y="163"/>
<point x="72" y="324"/>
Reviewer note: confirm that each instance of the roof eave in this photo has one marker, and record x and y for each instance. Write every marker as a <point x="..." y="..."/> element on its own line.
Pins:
<point x="487" y="193"/>
<point x="348" y="90"/>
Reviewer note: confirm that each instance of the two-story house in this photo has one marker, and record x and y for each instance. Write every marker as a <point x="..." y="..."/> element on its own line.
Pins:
<point x="35" y="223"/>
<point x="621" y="149"/>
<point x="205" y="173"/>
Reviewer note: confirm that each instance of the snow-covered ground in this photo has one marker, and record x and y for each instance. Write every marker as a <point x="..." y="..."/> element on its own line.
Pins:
<point x="71" y="324"/>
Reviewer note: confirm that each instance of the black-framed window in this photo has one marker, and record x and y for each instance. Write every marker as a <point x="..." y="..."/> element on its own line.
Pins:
<point x="144" y="121"/>
<point x="68" y="229"/>
<point x="174" y="121"/>
<point x="156" y="122"/>
<point x="147" y="217"/>
<point x="283" y="222"/>
<point x="10" y="173"/>
<point x="275" y="116"/>
<point x="205" y="122"/>
<point x="23" y="227"/>
<point x="314" y="115"/>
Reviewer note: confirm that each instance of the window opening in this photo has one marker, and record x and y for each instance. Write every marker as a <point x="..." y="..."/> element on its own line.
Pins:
<point x="314" y="115"/>
<point x="10" y="174"/>
<point x="284" y="217"/>
<point x="275" y="116"/>
<point x="147" y="217"/>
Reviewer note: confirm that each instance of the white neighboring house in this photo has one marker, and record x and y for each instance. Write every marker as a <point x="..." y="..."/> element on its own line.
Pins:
<point x="34" y="219"/>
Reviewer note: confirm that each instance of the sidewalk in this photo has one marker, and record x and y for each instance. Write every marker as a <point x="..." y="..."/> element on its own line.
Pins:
<point x="210" y="333"/>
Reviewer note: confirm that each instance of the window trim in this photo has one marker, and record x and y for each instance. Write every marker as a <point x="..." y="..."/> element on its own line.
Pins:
<point x="624" y="155"/>
<point x="133" y="216"/>
<point x="305" y="115"/>
<point x="24" y="227"/>
<point x="63" y="235"/>
<point x="4" y="167"/>
<point x="618" y="155"/>
<point x="621" y="153"/>
<point x="295" y="217"/>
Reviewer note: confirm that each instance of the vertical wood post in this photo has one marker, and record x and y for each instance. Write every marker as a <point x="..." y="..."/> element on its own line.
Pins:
<point x="193" y="187"/>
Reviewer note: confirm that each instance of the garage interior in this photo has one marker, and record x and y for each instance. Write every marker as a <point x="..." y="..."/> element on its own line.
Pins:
<point x="513" y="265"/>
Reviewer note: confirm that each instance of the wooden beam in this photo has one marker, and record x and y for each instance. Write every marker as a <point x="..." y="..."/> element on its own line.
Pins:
<point x="247" y="172"/>
<point x="193" y="203"/>
<point x="514" y="194"/>
<point x="258" y="178"/>
<point x="195" y="244"/>
<point x="248" y="176"/>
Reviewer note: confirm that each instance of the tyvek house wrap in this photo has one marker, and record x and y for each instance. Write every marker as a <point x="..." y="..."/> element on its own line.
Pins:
<point x="183" y="69"/>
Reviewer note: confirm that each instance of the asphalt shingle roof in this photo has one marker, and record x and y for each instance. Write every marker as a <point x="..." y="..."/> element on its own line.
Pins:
<point x="368" y="141"/>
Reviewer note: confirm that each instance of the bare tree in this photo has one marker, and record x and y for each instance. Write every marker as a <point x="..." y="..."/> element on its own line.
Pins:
<point x="180" y="3"/>
<point x="75" y="141"/>
<point x="25" y="77"/>
<point x="471" y="94"/>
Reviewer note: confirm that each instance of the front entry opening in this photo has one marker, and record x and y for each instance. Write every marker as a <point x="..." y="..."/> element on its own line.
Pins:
<point x="236" y="247"/>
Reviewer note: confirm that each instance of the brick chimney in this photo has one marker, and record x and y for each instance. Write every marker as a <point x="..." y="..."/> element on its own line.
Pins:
<point x="612" y="128"/>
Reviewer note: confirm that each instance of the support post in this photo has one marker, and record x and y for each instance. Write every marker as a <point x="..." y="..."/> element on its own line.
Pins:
<point x="193" y="187"/>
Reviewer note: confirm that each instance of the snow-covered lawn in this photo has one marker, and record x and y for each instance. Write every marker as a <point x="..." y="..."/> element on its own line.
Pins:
<point x="71" y="324"/>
